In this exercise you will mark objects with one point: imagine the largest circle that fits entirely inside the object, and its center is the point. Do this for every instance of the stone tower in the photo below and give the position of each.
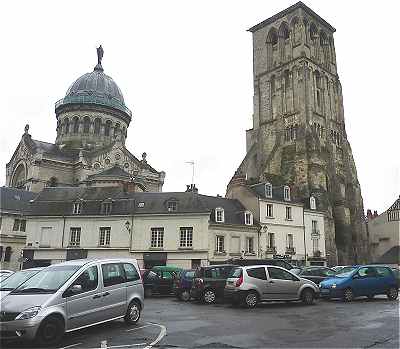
(299, 130)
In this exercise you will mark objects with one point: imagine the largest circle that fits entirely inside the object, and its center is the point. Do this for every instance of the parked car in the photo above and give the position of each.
(365, 280)
(160, 280)
(280, 262)
(183, 283)
(72, 295)
(209, 282)
(315, 274)
(339, 268)
(16, 279)
(253, 284)
(4, 274)
(396, 272)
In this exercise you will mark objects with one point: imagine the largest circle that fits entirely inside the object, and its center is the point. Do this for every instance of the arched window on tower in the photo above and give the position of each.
(76, 124)
(324, 43)
(313, 33)
(272, 45)
(66, 126)
(86, 125)
(284, 39)
(53, 182)
(107, 128)
(296, 28)
(97, 123)
(19, 177)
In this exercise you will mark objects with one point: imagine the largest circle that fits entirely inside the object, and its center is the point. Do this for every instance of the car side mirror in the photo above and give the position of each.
(73, 290)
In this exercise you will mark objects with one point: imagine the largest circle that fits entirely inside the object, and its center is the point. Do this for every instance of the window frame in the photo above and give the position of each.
(268, 190)
(288, 212)
(77, 241)
(248, 245)
(286, 193)
(157, 237)
(218, 240)
(219, 210)
(248, 215)
(186, 237)
(269, 207)
(77, 208)
(172, 206)
(106, 231)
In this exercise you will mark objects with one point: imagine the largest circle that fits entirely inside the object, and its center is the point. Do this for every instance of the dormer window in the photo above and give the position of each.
(248, 218)
(268, 190)
(286, 193)
(313, 203)
(77, 208)
(106, 207)
(172, 206)
(219, 215)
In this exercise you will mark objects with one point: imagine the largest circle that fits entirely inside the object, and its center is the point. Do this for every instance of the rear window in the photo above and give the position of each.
(257, 273)
(236, 273)
(189, 274)
(382, 271)
(214, 273)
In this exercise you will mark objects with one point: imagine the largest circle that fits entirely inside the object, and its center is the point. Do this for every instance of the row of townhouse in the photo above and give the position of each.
(13, 205)
(288, 229)
(186, 229)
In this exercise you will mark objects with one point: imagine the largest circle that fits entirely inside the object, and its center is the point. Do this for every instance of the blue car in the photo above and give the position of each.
(361, 280)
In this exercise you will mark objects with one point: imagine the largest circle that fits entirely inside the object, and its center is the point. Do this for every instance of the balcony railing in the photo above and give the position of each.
(290, 250)
(271, 249)
(112, 102)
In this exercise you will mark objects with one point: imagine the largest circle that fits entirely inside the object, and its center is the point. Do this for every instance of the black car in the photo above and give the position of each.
(209, 282)
(276, 261)
(316, 274)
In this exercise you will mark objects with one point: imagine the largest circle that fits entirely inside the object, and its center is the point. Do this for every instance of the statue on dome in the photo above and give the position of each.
(100, 53)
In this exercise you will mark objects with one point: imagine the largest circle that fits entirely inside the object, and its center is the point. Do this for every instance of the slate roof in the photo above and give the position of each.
(277, 192)
(114, 171)
(59, 202)
(14, 200)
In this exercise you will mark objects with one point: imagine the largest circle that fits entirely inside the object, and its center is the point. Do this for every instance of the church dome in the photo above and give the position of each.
(98, 85)
(95, 88)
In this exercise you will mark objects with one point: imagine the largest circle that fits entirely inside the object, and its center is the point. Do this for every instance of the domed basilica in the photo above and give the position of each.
(92, 124)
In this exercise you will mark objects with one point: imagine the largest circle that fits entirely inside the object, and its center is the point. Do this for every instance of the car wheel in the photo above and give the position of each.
(50, 332)
(307, 296)
(209, 296)
(348, 295)
(132, 315)
(185, 295)
(393, 293)
(148, 292)
(251, 300)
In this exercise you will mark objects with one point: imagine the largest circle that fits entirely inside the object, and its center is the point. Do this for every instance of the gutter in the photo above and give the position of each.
(63, 233)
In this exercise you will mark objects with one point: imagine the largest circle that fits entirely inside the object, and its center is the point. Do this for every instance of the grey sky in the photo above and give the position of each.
(185, 69)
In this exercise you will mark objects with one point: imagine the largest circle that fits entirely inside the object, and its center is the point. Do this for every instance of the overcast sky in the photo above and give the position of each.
(185, 69)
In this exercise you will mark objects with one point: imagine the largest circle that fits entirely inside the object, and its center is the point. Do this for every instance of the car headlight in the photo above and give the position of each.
(319, 285)
(333, 286)
(28, 313)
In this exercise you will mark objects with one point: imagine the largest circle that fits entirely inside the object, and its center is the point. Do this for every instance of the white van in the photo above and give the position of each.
(72, 295)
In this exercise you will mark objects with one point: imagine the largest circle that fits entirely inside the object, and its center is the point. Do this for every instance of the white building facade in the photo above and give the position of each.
(183, 229)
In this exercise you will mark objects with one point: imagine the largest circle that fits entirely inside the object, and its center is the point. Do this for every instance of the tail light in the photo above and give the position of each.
(239, 281)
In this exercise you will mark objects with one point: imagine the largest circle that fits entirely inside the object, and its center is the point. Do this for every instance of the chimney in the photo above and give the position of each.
(369, 214)
(191, 188)
(376, 213)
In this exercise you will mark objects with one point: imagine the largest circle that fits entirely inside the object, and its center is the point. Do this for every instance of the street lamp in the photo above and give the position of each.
(128, 226)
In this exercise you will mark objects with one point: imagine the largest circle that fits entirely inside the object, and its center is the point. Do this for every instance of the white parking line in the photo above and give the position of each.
(137, 328)
(71, 346)
(160, 336)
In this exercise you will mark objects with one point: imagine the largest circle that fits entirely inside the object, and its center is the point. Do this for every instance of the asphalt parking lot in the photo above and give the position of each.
(168, 323)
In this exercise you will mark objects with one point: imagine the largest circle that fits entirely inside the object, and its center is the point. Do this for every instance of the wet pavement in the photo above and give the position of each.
(169, 323)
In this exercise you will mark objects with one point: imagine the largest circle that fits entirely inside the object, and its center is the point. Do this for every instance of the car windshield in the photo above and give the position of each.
(13, 281)
(345, 272)
(48, 280)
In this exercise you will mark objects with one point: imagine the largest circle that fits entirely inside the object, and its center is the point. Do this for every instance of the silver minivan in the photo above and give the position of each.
(72, 295)
(252, 284)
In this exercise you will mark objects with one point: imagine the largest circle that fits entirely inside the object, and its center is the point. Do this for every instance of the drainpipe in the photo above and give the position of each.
(63, 233)
(304, 237)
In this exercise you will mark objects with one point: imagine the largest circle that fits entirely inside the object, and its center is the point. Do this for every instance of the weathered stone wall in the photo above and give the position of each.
(299, 130)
